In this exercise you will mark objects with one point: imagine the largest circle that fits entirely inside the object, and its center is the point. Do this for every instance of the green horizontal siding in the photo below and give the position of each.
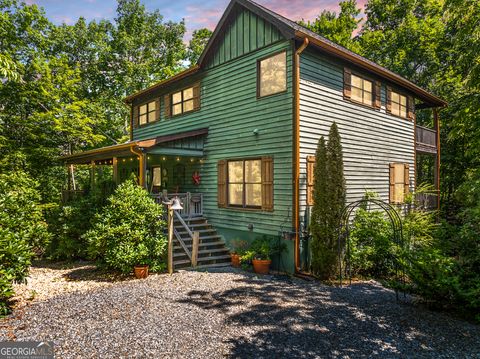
(231, 111)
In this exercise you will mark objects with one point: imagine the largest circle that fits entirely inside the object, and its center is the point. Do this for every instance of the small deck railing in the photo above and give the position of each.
(192, 202)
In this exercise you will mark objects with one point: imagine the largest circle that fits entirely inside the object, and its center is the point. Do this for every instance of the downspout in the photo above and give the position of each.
(296, 155)
(141, 165)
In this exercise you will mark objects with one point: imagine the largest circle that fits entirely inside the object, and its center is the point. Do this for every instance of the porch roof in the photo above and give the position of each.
(188, 143)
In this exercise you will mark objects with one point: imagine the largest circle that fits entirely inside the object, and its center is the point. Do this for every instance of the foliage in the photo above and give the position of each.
(129, 231)
(329, 200)
(339, 29)
(263, 248)
(22, 231)
(238, 246)
(197, 44)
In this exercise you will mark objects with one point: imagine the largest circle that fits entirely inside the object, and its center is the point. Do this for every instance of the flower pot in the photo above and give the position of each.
(235, 260)
(141, 271)
(261, 266)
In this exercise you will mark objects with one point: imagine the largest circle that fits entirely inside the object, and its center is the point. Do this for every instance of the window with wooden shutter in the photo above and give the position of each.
(183, 101)
(221, 183)
(347, 83)
(310, 178)
(399, 182)
(246, 183)
(399, 104)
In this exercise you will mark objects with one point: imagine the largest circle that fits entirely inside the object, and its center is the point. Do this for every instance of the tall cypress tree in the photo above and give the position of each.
(329, 199)
(319, 227)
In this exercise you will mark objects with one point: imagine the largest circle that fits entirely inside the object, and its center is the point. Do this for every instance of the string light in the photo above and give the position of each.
(178, 159)
(163, 158)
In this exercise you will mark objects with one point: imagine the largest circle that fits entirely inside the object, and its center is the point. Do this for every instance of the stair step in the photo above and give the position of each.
(200, 231)
(188, 239)
(206, 244)
(216, 250)
(203, 224)
(213, 265)
(213, 258)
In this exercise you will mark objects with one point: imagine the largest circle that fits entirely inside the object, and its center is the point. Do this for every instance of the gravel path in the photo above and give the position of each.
(226, 313)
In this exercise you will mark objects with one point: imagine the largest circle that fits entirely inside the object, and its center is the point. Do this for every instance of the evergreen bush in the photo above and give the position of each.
(129, 231)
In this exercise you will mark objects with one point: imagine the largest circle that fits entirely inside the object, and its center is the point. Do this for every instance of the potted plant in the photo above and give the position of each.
(141, 271)
(260, 253)
(238, 249)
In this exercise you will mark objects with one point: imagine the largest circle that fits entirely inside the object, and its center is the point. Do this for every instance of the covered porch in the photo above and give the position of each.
(166, 166)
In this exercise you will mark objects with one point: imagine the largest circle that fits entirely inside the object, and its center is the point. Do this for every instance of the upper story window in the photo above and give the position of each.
(399, 105)
(361, 90)
(272, 75)
(146, 113)
(183, 101)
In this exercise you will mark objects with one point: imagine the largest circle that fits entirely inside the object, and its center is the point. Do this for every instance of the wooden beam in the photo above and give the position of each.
(115, 170)
(195, 244)
(436, 117)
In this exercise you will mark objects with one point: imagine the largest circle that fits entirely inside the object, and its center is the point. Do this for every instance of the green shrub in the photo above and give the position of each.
(22, 230)
(129, 231)
(372, 244)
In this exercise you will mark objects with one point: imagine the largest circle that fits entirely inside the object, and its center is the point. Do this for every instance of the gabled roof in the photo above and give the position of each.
(291, 30)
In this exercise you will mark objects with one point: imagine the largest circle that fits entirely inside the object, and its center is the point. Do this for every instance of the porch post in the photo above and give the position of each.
(142, 159)
(115, 170)
(92, 174)
(436, 118)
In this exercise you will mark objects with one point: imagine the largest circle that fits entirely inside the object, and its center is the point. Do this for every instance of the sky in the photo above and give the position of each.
(197, 14)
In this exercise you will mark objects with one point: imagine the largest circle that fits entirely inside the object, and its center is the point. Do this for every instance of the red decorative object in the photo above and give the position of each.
(196, 178)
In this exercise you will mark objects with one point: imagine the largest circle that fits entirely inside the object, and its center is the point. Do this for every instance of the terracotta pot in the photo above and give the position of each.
(235, 260)
(141, 271)
(261, 266)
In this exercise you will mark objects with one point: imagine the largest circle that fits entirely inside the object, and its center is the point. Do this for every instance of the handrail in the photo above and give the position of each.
(179, 217)
(182, 243)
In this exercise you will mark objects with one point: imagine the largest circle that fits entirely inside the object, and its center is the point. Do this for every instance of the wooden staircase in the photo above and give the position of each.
(212, 251)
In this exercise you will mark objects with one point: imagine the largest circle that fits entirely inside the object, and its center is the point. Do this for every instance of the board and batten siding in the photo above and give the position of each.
(371, 139)
(231, 111)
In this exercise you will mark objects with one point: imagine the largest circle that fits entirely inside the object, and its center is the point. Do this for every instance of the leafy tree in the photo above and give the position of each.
(338, 28)
(197, 44)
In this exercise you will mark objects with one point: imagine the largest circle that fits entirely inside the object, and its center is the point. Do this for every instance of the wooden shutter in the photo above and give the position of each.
(157, 109)
(410, 107)
(168, 107)
(267, 183)
(377, 103)
(347, 83)
(196, 96)
(406, 176)
(392, 183)
(310, 179)
(135, 116)
(222, 183)
(389, 99)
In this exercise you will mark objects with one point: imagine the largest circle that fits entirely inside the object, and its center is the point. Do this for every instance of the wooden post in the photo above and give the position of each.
(170, 239)
(92, 175)
(142, 169)
(115, 170)
(437, 156)
(195, 243)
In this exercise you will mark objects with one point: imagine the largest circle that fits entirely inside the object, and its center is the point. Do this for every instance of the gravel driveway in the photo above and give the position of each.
(226, 313)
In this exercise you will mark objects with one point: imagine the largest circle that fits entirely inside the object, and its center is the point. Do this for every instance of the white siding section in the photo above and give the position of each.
(371, 139)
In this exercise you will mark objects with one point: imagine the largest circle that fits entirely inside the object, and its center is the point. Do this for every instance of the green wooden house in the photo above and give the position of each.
(234, 135)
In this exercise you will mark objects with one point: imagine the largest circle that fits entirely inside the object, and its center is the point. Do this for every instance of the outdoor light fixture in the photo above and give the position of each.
(173, 205)
(178, 158)
(256, 131)
(163, 158)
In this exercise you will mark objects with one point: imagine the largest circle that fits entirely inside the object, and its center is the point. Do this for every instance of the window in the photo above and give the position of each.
(399, 104)
(147, 113)
(246, 183)
(399, 182)
(272, 75)
(182, 101)
(361, 90)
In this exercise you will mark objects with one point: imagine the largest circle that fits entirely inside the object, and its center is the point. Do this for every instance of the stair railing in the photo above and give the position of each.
(193, 235)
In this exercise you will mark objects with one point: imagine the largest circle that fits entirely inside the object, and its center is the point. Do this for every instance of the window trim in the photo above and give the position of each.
(155, 110)
(347, 93)
(258, 74)
(243, 206)
(392, 183)
(171, 104)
